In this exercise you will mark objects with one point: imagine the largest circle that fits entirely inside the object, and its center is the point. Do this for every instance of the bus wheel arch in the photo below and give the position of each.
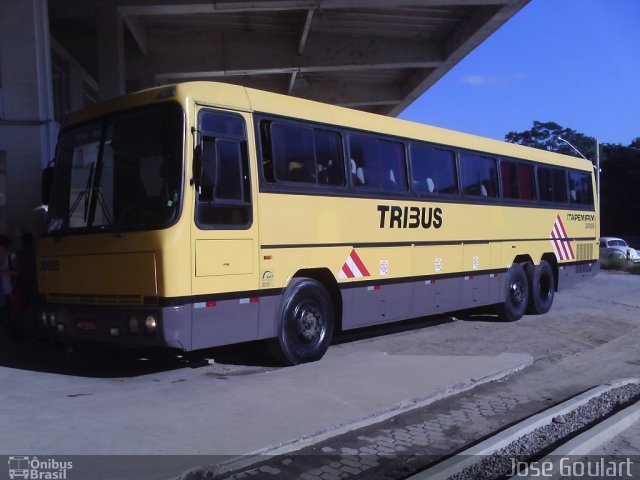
(329, 282)
(305, 322)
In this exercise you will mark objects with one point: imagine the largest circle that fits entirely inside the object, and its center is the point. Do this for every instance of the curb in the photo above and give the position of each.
(263, 454)
(588, 441)
(468, 457)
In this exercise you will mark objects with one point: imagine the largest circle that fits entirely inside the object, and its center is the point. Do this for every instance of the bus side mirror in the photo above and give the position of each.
(46, 183)
(196, 178)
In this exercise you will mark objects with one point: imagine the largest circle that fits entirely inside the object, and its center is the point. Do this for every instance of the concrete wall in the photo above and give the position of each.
(27, 129)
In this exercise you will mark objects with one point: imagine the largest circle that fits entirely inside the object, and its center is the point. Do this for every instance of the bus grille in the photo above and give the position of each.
(585, 251)
(78, 299)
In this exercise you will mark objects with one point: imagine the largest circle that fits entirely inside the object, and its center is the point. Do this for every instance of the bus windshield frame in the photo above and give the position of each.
(120, 172)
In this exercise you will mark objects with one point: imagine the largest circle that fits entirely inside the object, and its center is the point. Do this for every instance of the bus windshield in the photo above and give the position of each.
(122, 172)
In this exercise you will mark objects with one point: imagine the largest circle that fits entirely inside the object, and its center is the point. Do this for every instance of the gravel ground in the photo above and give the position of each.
(541, 441)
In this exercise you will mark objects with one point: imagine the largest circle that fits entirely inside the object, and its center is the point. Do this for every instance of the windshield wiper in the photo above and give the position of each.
(76, 202)
(83, 194)
(111, 221)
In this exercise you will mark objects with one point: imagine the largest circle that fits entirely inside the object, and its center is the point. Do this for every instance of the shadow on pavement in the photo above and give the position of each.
(241, 359)
(103, 362)
(390, 328)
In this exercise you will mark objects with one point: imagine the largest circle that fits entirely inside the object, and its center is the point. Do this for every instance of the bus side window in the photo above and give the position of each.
(293, 153)
(363, 161)
(267, 156)
(392, 164)
(517, 180)
(526, 182)
(580, 188)
(552, 184)
(301, 154)
(479, 175)
(433, 170)
(559, 178)
(377, 164)
(328, 150)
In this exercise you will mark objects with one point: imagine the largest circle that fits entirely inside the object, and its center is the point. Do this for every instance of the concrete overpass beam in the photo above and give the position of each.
(111, 66)
(207, 55)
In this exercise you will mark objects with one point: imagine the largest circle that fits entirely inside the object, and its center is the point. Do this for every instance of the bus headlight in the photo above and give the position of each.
(150, 324)
(43, 318)
(52, 319)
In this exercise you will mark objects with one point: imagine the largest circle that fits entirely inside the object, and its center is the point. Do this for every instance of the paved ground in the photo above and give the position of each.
(53, 405)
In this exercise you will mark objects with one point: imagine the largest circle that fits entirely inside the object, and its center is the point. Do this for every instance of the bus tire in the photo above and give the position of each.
(516, 296)
(305, 323)
(541, 288)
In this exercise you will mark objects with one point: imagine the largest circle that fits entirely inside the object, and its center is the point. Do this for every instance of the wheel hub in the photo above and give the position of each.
(309, 323)
(517, 292)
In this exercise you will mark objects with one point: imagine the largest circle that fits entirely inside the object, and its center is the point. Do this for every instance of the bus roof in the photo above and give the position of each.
(240, 98)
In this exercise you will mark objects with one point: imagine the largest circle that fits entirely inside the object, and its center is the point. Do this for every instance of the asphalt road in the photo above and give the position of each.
(54, 403)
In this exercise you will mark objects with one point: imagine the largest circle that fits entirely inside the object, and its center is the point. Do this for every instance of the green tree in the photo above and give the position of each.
(619, 178)
(545, 136)
(620, 181)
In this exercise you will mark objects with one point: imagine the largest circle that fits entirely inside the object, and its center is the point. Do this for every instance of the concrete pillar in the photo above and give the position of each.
(27, 128)
(111, 73)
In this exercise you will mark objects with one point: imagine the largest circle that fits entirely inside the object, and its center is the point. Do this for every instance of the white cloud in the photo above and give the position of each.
(492, 81)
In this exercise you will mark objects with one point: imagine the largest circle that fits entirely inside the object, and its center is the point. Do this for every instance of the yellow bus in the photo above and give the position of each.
(203, 214)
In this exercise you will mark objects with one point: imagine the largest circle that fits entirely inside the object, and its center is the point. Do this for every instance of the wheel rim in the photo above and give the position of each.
(517, 291)
(309, 323)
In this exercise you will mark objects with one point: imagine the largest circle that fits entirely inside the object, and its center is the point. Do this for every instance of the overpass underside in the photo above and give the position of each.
(62, 55)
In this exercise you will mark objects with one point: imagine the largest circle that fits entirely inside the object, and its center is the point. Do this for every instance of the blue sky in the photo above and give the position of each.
(574, 62)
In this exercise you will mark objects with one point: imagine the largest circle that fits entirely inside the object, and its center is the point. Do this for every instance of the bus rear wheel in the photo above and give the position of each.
(542, 288)
(517, 295)
(305, 323)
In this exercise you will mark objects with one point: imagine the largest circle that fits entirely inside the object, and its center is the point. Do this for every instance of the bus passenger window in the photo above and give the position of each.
(301, 154)
(552, 184)
(433, 170)
(580, 188)
(328, 150)
(479, 175)
(293, 154)
(517, 180)
(392, 163)
(377, 164)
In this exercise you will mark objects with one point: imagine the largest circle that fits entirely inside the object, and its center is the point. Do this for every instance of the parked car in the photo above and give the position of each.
(615, 253)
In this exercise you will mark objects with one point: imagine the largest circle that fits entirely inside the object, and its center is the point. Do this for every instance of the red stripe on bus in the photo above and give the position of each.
(347, 271)
(356, 259)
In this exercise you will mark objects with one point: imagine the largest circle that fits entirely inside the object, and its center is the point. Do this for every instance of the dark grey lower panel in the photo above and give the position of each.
(233, 321)
(209, 324)
(369, 305)
(569, 275)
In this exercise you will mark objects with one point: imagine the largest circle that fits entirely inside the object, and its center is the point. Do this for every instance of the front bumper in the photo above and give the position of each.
(125, 326)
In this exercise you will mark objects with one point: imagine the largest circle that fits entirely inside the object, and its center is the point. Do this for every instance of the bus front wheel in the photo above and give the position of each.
(517, 295)
(305, 323)
(542, 288)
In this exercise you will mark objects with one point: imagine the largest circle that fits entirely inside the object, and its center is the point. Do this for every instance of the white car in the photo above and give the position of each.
(615, 253)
